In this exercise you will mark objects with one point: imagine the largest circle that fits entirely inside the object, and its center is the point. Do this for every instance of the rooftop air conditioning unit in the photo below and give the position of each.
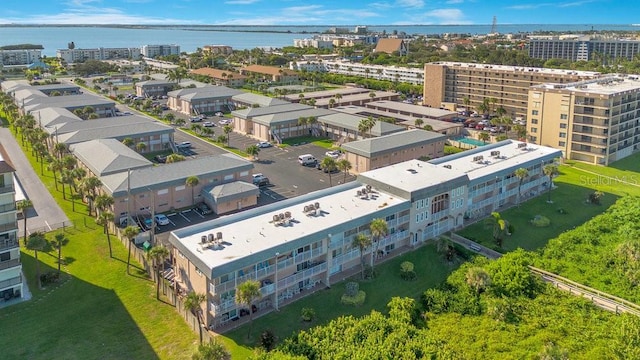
(368, 187)
(211, 238)
(281, 216)
(203, 239)
(287, 214)
(219, 236)
(275, 218)
(359, 193)
(447, 166)
(316, 205)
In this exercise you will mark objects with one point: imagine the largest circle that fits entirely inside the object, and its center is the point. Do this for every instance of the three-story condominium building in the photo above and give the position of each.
(596, 121)
(297, 244)
(10, 265)
(450, 85)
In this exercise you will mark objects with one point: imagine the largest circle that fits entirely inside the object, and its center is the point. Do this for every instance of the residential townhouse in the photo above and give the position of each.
(293, 246)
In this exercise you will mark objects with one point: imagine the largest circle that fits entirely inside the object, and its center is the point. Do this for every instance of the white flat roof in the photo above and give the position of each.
(257, 233)
(524, 69)
(606, 85)
(412, 175)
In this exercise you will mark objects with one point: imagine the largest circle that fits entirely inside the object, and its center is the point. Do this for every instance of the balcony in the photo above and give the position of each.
(8, 227)
(301, 275)
(10, 282)
(222, 306)
(9, 264)
(6, 189)
(9, 243)
(8, 207)
(308, 255)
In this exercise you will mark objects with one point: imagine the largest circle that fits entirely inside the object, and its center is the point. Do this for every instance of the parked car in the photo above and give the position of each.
(333, 154)
(195, 119)
(208, 124)
(264, 144)
(160, 158)
(257, 177)
(479, 126)
(162, 219)
(225, 121)
(203, 209)
(307, 160)
(219, 114)
(263, 182)
(184, 145)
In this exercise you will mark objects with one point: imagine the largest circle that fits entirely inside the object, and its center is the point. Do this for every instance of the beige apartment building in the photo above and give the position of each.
(595, 121)
(447, 84)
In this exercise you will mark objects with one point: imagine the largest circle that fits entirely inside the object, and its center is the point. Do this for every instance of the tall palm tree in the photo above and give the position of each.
(192, 182)
(521, 174)
(338, 97)
(193, 303)
(227, 130)
(329, 165)
(498, 225)
(88, 187)
(344, 165)
(103, 202)
(252, 150)
(379, 229)
(104, 219)
(158, 255)
(141, 147)
(59, 241)
(128, 141)
(484, 137)
(23, 206)
(418, 123)
(130, 232)
(37, 242)
(550, 170)
(361, 241)
(55, 166)
(246, 294)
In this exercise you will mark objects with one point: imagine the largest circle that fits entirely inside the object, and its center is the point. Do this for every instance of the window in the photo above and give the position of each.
(244, 173)
(563, 116)
(534, 130)
(536, 104)
(562, 135)
(534, 112)
(533, 138)
(534, 121)
(440, 203)
(181, 187)
(390, 217)
(563, 126)
(562, 143)
(228, 177)
(163, 192)
(199, 272)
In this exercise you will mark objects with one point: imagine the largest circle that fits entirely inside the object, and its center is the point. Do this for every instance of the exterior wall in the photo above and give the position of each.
(359, 163)
(19, 56)
(10, 264)
(433, 94)
(189, 276)
(234, 205)
(363, 163)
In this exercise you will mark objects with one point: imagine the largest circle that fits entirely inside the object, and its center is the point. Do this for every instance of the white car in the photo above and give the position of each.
(208, 124)
(220, 114)
(225, 121)
(162, 219)
(333, 154)
(264, 144)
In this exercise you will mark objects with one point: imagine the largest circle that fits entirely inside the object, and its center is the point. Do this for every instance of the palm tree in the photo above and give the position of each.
(550, 170)
(128, 141)
(23, 206)
(104, 202)
(332, 102)
(418, 123)
(192, 182)
(361, 241)
(60, 149)
(59, 241)
(379, 229)
(478, 279)
(158, 255)
(499, 227)
(227, 130)
(89, 186)
(246, 294)
(174, 158)
(214, 350)
(329, 165)
(140, 147)
(466, 101)
(193, 302)
(253, 150)
(55, 166)
(104, 219)
(344, 165)
(37, 242)
(484, 137)
(372, 95)
(338, 97)
(521, 174)
(130, 232)
(302, 121)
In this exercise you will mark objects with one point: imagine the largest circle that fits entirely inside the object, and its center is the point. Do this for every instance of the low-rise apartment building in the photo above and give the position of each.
(295, 245)
(10, 264)
(203, 100)
(15, 57)
(411, 75)
(270, 73)
(378, 152)
(152, 51)
(596, 121)
(222, 77)
(79, 55)
(150, 88)
(450, 84)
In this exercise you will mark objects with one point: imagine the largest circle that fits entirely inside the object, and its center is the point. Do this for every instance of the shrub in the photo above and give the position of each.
(354, 300)
(351, 289)
(406, 266)
(406, 271)
(540, 221)
(308, 314)
(268, 340)
(49, 278)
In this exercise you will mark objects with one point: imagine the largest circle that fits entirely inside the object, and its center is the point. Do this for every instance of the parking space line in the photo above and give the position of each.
(182, 214)
(197, 213)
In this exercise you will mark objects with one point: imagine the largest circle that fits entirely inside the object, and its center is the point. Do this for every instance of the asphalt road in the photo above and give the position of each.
(46, 215)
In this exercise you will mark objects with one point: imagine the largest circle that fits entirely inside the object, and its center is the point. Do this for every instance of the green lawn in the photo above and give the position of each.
(573, 187)
(430, 266)
(100, 312)
(322, 142)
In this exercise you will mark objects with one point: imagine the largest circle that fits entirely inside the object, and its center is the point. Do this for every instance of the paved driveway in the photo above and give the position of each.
(46, 215)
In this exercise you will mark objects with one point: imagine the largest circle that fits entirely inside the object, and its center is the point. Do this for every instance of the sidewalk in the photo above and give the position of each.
(46, 215)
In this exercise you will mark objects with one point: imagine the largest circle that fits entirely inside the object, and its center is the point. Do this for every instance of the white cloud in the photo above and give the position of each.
(454, 1)
(416, 4)
(448, 16)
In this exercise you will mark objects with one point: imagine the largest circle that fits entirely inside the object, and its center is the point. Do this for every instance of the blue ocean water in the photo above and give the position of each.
(239, 37)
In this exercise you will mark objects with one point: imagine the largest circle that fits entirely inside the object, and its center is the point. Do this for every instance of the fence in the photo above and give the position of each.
(47, 228)
(482, 250)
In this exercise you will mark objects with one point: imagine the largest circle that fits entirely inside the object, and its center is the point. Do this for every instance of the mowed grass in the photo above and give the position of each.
(99, 312)
(430, 267)
(574, 185)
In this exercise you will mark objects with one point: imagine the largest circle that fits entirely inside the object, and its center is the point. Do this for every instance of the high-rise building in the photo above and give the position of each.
(582, 48)
(19, 56)
(10, 265)
(597, 121)
(450, 84)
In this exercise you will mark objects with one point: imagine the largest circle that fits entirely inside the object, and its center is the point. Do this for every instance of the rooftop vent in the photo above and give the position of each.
(522, 145)
(203, 239)
(447, 166)
(211, 237)
(413, 171)
(478, 158)
(495, 153)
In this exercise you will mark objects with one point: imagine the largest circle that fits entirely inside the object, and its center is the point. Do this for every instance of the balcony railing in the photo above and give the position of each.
(10, 226)
(6, 189)
(9, 243)
(10, 282)
(9, 263)
(7, 207)
(308, 255)
(301, 275)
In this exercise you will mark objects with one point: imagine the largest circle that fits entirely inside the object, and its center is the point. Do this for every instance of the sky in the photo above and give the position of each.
(313, 12)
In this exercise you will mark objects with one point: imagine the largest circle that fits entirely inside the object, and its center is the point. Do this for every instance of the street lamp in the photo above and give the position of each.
(276, 281)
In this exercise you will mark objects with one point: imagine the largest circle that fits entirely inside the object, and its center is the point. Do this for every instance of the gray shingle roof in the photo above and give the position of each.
(230, 191)
(393, 142)
(108, 156)
(250, 98)
(117, 121)
(68, 102)
(350, 122)
(289, 116)
(162, 176)
(249, 113)
(413, 109)
(116, 132)
(206, 92)
(54, 116)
